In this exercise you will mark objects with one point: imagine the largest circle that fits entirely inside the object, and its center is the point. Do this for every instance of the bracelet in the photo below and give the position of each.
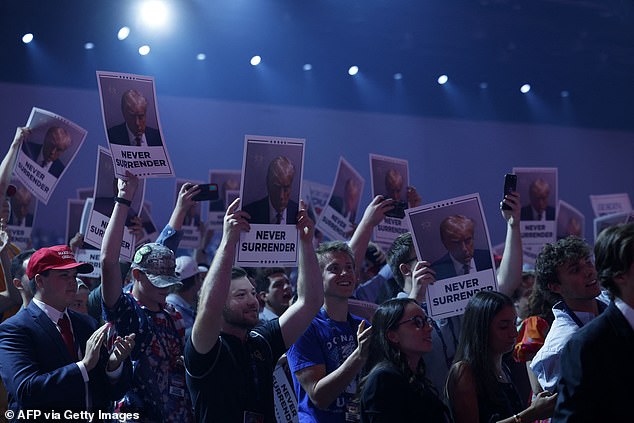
(517, 418)
(122, 200)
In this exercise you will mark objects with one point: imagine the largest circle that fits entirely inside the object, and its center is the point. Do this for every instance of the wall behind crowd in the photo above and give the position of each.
(447, 158)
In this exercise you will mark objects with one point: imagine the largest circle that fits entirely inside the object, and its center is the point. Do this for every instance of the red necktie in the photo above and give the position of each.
(67, 335)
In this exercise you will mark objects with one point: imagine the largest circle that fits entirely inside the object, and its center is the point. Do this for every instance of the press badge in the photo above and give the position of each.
(253, 417)
(177, 385)
(353, 411)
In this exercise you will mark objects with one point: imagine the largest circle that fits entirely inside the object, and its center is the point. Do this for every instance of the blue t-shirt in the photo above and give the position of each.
(329, 343)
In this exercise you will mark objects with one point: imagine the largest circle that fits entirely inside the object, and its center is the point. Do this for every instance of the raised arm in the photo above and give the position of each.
(183, 203)
(6, 167)
(215, 288)
(111, 246)
(372, 216)
(323, 388)
(10, 296)
(510, 272)
(310, 289)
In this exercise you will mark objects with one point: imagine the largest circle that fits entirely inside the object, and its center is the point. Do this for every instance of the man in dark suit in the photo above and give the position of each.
(134, 131)
(56, 141)
(538, 209)
(52, 358)
(456, 234)
(276, 207)
(596, 364)
(348, 205)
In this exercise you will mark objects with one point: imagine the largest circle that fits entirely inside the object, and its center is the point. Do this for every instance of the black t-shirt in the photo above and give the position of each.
(387, 396)
(235, 376)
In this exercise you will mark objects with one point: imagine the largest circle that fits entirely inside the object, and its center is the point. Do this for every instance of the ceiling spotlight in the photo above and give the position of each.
(256, 60)
(442, 79)
(484, 85)
(565, 94)
(353, 70)
(398, 76)
(525, 88)
(89, 46)
(144, 50)
(201, 56)
(27, 38)
(154, 13)
(307, 67)
(123, 33)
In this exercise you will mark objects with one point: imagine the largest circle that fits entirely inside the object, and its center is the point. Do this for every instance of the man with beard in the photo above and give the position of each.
(229, 356)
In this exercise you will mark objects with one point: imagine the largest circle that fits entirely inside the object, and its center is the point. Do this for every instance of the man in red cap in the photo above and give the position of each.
(52, 358)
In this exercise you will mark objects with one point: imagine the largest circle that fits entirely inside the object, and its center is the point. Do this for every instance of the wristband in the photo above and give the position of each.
(122, 200)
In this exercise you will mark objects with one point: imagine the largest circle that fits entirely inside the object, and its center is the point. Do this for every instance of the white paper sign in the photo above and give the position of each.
(272, 174)
(48, 151)
(453, 236)
(133, 128)
(610, 204)
(390, 178)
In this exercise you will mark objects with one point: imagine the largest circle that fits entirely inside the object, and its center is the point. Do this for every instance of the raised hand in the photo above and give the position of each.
(93, 345)
(235, 221)
(512, 200)
(305, 224)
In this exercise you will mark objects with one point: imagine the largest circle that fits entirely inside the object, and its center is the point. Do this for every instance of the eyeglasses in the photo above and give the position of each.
(419, 321)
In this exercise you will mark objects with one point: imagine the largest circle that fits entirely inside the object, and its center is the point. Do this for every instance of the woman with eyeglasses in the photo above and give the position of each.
(479, 386)
(395, 388)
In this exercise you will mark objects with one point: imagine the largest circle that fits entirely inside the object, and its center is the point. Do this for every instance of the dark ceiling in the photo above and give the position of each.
(583, 47)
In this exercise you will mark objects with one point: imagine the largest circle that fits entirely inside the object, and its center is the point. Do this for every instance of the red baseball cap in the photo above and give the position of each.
(57, 257)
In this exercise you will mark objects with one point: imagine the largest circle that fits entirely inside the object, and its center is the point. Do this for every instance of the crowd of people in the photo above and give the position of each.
(174, 339)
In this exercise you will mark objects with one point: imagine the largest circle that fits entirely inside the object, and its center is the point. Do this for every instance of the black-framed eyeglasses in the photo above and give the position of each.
(419, 321)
